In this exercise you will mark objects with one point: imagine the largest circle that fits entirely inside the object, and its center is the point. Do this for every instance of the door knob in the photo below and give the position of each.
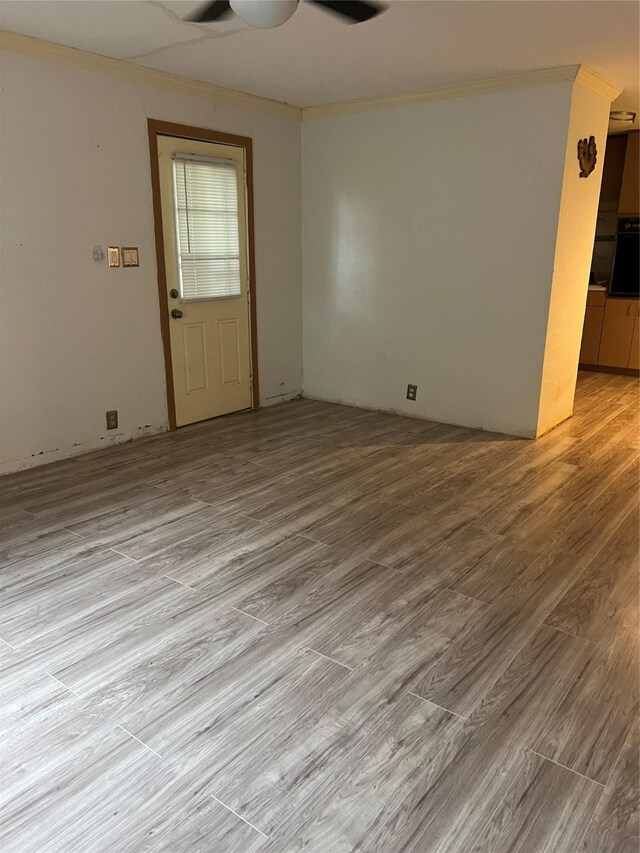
(176, 313)
(173, 293)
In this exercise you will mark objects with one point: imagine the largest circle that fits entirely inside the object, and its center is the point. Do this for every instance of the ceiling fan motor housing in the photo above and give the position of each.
(265, 14)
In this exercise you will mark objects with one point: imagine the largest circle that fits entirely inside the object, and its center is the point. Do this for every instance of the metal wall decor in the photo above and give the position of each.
(587, 155)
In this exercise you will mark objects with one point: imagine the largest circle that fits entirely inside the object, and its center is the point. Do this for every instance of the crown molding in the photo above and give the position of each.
(42, 49)
(594, 81)
(563, 74)
(30, 46)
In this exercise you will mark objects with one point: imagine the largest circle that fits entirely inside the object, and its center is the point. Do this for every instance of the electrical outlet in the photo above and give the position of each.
(112, 419)
(412, 392)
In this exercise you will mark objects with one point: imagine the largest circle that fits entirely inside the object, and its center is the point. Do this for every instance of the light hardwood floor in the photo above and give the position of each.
(326, 629)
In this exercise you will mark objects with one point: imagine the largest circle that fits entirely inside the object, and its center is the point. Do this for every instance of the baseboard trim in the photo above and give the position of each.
(280, 398)
(58, 454)
(416, 417)
(603, 368)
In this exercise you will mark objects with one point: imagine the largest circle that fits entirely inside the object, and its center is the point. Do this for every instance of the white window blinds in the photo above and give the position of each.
(206, 200)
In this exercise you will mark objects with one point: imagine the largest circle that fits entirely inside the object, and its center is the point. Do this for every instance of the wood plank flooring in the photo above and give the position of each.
(318, 628)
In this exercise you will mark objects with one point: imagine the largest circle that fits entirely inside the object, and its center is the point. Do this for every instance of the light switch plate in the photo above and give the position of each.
(130, 256)
(113, 254)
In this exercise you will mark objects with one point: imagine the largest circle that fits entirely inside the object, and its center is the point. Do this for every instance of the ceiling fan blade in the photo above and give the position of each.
(355, 11)
(210, 12)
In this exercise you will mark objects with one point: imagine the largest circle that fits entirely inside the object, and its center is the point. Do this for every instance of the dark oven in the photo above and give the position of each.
(625, 278)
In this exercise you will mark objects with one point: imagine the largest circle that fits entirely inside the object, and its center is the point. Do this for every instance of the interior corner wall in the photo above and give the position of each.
(77, 338)
(574, 248)
(429, 234)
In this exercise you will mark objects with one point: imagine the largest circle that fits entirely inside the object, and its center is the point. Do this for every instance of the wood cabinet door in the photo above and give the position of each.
(629, 204)
(591, 334)
(634, 356)
(617, 331)
(612, 171)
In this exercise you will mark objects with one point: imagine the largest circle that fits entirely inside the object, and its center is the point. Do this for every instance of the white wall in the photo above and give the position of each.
(429, 240)
(429, 234)
(574, 246)
(77, 338)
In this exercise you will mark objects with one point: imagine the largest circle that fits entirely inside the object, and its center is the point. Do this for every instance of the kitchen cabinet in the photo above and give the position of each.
(617, 332)
(593, 320)
(611, 333)
(634, 356)
(612, 170)
(591, 333)
(629, 204)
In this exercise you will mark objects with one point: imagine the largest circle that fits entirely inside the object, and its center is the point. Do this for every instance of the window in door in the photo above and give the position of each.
(206, 210)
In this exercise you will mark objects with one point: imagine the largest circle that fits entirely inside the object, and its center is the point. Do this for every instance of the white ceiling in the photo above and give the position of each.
(315, 58)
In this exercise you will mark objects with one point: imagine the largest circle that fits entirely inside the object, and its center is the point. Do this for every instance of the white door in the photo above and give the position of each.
(204, 223)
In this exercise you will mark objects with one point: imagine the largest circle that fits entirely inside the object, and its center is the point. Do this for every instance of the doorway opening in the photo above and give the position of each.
(202, 184)
(611, 333)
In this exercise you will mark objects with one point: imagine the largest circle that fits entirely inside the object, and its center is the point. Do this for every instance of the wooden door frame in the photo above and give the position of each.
(183, 131)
